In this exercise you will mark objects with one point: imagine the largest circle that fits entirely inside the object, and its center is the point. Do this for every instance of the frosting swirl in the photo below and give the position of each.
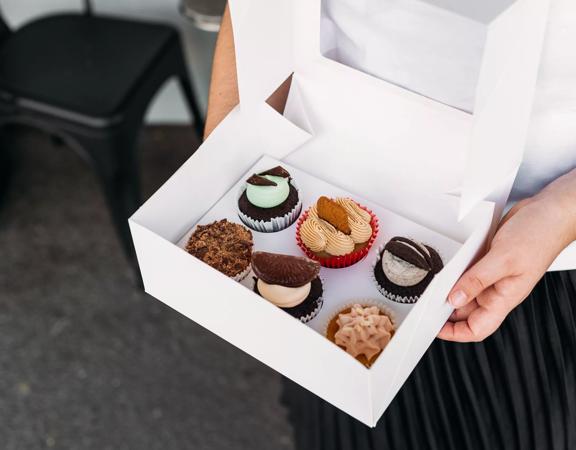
(361, 230)
(312, 235)
(337, 243)
(353, 209)
(364, 331)
(313, 213)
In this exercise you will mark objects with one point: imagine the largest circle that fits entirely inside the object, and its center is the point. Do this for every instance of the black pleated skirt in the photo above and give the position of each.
(516, 390)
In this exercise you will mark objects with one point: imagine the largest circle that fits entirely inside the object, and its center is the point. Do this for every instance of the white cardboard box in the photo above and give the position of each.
(398, 150)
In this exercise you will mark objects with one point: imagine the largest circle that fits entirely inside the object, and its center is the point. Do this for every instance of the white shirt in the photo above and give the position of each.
(372, 35)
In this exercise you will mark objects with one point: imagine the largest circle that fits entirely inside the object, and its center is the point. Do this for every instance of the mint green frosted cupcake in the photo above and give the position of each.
(270, 201)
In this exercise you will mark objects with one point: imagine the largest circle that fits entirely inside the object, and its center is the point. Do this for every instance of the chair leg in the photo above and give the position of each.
(190, 96)
(6, 164)
(114, 159)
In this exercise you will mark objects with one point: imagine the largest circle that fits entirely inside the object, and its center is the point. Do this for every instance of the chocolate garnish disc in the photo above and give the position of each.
(277, 171)
(257, 180)
(284, 270)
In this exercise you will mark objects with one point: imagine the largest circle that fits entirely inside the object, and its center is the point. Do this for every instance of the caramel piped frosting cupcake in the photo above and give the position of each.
(320, 236)
(336, 228)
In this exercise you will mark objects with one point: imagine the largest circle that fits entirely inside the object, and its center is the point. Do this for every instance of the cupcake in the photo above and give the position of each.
(223, 245)
(405, 268)
(270, 201)
(362, 330)
(337, 233)
(289, 282)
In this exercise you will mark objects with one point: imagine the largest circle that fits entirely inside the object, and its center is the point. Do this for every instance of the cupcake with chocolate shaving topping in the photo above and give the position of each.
(270, 201)
(223, 245)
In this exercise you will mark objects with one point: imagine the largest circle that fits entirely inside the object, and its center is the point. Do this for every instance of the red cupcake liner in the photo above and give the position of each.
(339, 262)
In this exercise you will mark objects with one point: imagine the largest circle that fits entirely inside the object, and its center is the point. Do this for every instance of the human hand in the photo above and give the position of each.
(528, 240)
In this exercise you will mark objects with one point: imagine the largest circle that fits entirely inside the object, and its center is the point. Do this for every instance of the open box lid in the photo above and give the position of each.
(475, 155)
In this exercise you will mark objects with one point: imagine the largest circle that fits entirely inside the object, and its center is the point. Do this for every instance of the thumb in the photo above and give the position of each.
(490, 269)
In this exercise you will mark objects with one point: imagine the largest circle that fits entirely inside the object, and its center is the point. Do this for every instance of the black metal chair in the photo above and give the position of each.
(88, 80)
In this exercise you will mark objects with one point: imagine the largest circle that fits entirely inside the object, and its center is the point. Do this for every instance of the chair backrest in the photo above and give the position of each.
(4, 29)
(88, 8)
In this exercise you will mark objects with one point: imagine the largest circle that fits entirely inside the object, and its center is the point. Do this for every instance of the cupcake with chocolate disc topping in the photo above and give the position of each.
(269, 201)
(405, 268)
(289, 282)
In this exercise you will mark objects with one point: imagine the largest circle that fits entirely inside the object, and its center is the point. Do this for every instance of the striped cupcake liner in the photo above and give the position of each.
(242, 275)
(313, 314)
(276, 223)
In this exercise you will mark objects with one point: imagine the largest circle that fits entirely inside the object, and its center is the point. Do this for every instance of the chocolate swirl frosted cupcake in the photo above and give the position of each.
(270, 201)
(223, 245)
(289, 282)
(405, 268)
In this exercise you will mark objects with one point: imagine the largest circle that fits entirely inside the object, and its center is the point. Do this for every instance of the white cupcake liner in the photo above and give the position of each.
(307, 318)
(242, 275)
(364, 302)
(276, 223)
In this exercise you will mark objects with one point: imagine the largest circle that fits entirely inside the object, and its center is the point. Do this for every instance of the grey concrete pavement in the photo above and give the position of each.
(89, 362)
